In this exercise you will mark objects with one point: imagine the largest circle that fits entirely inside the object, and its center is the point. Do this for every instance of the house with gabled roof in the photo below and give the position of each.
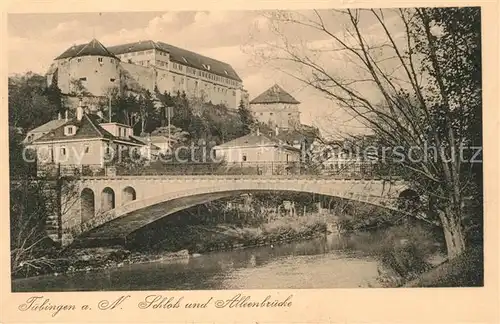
(257, 148)
(85, 140)
(276, 108)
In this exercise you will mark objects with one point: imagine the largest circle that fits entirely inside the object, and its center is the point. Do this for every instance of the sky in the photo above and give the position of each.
(34, 40)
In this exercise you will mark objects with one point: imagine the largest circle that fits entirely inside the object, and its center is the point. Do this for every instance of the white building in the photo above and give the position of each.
(145, 65)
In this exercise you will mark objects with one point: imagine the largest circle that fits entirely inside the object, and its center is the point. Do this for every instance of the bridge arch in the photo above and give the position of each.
(107, 199)
(127, 218)
(87, 205)
(409, 199)
(128, 195)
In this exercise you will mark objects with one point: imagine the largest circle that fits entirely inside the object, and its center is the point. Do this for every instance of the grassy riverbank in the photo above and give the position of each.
(205, 238)
(179, 242)
(465, 270)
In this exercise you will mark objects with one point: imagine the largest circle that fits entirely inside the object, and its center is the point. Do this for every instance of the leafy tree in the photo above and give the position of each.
(29, 105)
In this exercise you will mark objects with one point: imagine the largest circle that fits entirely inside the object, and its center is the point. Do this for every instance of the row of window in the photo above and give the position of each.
(218, 89)
(203, 74)
(99, 59)
(136, 53)
(85, 79)
(86, 150)
(270, 114)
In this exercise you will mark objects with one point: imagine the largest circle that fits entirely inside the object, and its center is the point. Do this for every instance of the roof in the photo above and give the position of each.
(152, 139)
(274, 94)
(181, 56)
(71, 52)
(177, 55)
(254, 140)
(87, 128)
(94, 47)
(200, 62)
(48, 126)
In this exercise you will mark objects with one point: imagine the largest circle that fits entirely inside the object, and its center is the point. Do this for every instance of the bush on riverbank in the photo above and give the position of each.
(405, 251)
(466, 270)
(205, 238)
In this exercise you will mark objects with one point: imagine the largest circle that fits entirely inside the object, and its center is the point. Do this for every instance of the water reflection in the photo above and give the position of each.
(324, 262)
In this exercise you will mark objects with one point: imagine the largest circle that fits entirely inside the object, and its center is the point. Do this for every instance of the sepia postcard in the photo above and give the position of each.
(264, 162)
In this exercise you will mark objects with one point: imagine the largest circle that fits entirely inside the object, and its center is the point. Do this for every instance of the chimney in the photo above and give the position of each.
(59, 116)
(66, 115)
(79, 111)
(258, 131)
(276, 130)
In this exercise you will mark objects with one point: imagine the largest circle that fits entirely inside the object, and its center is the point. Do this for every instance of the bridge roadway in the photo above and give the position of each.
(140, 200)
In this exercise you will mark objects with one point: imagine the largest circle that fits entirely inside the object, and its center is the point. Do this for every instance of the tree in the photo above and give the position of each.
(411, 86)
(246, 117)
(176, 134)
(54, 95)
(29, 105)
(146, 110)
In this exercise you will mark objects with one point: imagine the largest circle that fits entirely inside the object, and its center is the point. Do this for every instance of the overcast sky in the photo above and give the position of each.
(36, 39)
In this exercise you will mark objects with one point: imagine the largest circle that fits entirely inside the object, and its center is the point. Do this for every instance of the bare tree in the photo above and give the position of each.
(389, 70)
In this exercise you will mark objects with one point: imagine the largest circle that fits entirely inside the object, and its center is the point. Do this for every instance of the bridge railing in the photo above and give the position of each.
(360, 171)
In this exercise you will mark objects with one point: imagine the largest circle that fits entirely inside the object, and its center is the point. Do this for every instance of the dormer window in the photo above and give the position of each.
(69, 130)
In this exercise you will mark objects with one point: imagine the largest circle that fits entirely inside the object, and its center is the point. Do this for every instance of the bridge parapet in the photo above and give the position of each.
(151, 191)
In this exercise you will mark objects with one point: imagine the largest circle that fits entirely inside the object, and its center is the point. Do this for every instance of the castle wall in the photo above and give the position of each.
(135, 77)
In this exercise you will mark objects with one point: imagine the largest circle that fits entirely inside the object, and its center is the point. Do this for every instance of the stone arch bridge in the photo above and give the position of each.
(108, 209)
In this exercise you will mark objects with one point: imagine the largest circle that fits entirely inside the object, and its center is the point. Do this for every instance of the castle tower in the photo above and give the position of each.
(277, 108)
(87, 69)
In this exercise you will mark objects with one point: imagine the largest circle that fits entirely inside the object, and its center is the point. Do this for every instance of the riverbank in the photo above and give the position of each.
(181, 243)
(466, 270)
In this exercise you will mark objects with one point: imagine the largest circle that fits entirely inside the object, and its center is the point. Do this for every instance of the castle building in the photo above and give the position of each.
(93, 69)
(277, 108)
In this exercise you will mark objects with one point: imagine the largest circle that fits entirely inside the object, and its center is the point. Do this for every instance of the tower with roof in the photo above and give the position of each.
(89, 68)
(277, 108)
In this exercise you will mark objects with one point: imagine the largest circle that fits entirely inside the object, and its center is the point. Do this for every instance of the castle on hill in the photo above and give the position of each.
(91, 71)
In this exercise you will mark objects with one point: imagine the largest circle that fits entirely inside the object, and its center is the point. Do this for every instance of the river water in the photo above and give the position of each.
(325, 262)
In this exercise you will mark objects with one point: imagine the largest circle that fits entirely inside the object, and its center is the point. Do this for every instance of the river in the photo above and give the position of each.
(325, 262)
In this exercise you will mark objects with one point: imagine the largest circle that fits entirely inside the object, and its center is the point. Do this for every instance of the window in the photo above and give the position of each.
(173, 78)
(289, 114)
(112, 60)
(79, 60)
(63, 151)
(86, 148)
(112, 79)
(99, 59)
(270, 114)
(83, 79)
(69, 130)
(244, 157)
(182, 80)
